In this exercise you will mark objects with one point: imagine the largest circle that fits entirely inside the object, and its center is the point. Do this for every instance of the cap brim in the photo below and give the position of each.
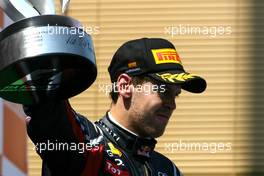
(189, 82)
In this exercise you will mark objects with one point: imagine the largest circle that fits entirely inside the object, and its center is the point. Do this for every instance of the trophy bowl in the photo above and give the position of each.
(45, 58)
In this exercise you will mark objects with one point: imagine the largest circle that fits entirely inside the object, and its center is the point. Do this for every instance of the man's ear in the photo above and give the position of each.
(124, 85)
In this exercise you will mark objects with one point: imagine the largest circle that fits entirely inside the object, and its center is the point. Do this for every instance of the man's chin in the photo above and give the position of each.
(158, 133)
(155, 131)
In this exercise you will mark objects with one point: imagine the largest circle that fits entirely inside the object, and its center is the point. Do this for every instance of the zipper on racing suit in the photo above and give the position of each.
(146, 170)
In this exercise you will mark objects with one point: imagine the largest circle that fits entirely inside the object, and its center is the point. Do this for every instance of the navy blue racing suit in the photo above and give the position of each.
(69, 144)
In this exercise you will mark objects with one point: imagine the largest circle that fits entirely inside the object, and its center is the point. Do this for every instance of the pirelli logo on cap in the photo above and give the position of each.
(166, 56)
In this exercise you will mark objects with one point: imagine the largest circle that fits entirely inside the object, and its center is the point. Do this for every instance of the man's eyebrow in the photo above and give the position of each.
(171, 88)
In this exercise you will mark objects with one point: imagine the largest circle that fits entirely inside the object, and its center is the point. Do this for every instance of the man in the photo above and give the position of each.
(147, 75)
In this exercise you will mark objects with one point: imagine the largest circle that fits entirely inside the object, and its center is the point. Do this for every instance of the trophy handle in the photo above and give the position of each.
(16, 9)
(44, 7)
(64, 5)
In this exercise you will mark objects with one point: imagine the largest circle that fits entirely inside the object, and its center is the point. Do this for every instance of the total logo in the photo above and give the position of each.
(113, 150)
(113, 153)
(114, 169)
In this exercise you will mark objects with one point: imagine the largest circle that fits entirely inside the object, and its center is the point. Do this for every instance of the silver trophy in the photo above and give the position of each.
(43, 56)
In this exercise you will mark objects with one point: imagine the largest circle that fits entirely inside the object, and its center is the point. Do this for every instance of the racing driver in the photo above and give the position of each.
(146, 74)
